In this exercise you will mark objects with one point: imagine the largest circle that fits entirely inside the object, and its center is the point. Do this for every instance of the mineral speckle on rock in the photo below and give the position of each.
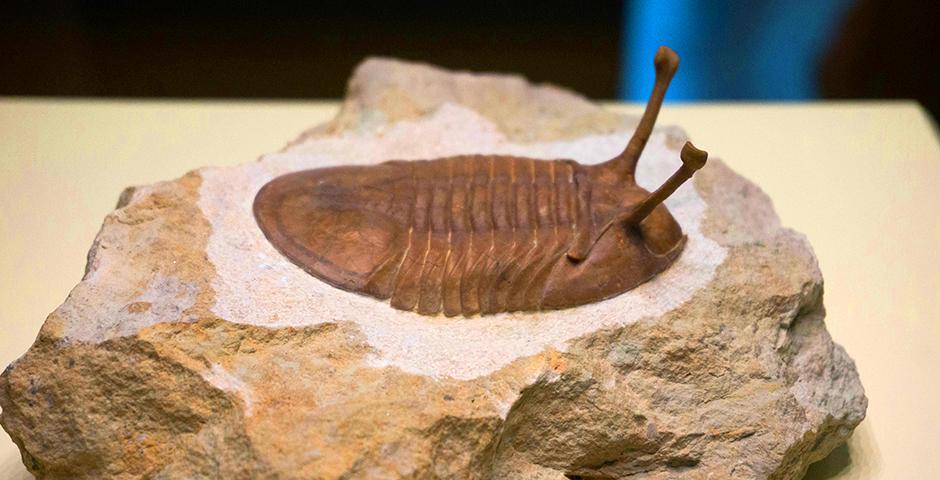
(192, 349)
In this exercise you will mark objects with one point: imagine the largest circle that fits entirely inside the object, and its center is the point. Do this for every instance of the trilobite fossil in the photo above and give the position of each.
(482, 233)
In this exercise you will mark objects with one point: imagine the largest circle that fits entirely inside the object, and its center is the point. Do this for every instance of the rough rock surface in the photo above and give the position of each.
(191, 349)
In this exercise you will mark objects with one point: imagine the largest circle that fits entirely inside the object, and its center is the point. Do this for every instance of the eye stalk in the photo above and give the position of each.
(666, 63)
(692, 159)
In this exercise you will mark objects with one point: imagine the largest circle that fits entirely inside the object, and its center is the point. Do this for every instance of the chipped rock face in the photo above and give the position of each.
(193, 349)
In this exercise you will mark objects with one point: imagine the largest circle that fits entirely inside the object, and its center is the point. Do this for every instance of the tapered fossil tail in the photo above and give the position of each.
(666, 63)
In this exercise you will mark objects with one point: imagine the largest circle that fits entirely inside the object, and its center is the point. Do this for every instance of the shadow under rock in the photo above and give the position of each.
(837, 462)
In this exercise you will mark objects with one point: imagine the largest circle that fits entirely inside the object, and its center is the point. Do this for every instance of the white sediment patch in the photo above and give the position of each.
(222, 379)
(255, 284)
(163, 300)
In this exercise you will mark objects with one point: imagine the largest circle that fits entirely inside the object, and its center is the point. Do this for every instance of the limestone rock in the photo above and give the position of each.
(192, 349)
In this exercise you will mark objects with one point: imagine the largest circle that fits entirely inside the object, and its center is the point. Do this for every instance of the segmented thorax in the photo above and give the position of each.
(468, 234)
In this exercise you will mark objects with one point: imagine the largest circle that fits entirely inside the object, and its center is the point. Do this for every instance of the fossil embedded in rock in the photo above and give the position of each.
(482, 233)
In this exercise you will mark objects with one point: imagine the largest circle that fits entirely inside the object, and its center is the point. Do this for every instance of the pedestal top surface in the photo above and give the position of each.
(859, 179)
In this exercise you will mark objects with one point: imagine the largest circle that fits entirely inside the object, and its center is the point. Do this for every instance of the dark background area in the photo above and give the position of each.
(254, 49)
(886, 49)
(294, 49)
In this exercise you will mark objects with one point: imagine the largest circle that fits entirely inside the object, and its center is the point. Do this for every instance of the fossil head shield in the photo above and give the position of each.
(481, 234)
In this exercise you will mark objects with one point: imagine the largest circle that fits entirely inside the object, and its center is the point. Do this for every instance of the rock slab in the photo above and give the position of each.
(192, 349)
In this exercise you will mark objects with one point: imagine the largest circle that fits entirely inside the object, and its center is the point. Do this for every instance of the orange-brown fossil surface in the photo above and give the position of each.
(482, 233)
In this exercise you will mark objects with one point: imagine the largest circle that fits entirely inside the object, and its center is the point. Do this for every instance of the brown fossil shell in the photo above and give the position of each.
(482, 234)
